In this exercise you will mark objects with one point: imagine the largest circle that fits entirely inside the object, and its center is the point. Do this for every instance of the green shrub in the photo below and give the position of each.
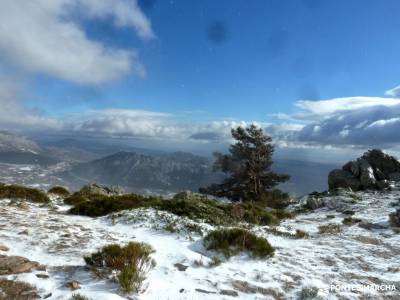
(59, 190)
(194, 207)
(100, 205)
(130, 263)
(350, 221)
(215, 261)
(233, 241)
(275, 199)
(329, 229)
(74, 199)
(25, 193)
(78, 297)
(198, 209)
(130, 280)
(301, 234)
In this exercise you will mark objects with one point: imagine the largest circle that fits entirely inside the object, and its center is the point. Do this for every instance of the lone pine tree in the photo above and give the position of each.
(248, 166)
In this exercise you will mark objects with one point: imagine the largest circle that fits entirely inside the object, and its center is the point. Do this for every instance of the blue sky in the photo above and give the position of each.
(208, 65)
(273, 53)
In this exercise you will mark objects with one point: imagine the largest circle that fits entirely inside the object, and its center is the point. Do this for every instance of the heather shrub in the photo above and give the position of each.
(329, 229)
(130, 263)
(59, 191)
(233, 241)
(24, 193)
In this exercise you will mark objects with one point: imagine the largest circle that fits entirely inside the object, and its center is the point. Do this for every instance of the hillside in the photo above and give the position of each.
(177, 171)
(15, 149)
(313, 251)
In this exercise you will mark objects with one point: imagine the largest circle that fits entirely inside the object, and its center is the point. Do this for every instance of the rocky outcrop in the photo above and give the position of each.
(16, 264)
(395, 218)
(96, 189)
(372, 171)
(343, 179)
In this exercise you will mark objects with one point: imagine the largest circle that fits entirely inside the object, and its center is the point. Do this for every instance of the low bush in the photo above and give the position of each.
(24, 193)
(130, 263)
(199, 209)
(75, 199)
(329, 229)
(192, 206)
(100, 205)
(215, 261)
(236, 240)
(78, 297)
(351, 221)
(17, 290)
(301, 234)
(275, 199)
(59, 191)
(213, 212)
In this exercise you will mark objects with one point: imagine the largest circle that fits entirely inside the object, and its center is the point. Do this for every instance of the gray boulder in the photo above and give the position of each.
(97, 189)
(353, 167)
(382, 184)
(343, 179)
(372, 171)
(314, 202)
(379, 175)
(394, 176)
(379, 160)
(367, 178)
(395, 218)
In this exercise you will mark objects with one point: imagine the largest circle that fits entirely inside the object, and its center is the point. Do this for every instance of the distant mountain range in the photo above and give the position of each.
(167, 172)
(16, 149)
(141, 170)
(184, 171)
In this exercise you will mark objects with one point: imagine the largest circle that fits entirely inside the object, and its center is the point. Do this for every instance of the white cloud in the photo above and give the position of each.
(13, 114)
(127, 123)
(352, 121)
(394, 92)
(326, 107)
(125, 12)
(40, 36)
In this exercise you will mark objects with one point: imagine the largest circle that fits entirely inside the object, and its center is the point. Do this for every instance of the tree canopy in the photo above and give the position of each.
(248, 166)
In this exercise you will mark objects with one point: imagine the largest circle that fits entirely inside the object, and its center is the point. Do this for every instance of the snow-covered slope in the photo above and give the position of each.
(300, 267)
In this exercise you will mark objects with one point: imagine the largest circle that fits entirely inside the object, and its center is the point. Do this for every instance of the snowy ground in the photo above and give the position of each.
(356, 256)
(36, 176)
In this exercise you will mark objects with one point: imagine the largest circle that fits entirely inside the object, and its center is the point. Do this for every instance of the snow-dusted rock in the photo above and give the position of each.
(313, 202)
(394, 176)
(382, 184)
(395, 218)
(367, 178)
(369, 172)
(342, 179)
(353, 167)
(94, 188)
(16, 264)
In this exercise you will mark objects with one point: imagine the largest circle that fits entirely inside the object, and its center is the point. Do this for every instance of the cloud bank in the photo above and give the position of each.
(352, 121)
(41, 36)
(394, 92)
(44, 37)
(14, 115)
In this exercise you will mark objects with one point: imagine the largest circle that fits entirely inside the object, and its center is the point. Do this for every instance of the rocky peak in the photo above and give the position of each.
(372, 171)
(94, 188)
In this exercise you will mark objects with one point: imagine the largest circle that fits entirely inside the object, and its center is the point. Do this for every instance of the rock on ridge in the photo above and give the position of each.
(372, 171)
